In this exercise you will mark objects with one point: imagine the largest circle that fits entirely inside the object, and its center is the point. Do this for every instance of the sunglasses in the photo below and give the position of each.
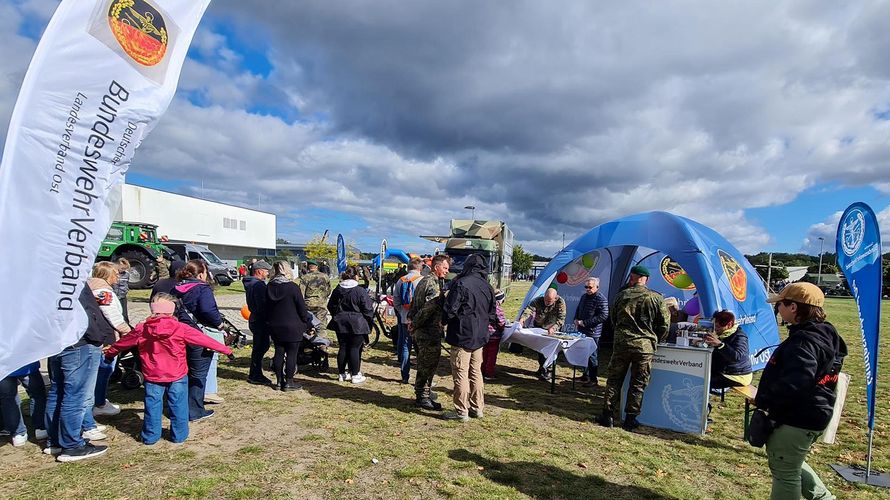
(588, 288)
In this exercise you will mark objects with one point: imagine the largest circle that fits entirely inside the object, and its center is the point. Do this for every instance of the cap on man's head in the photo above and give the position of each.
(800, 292)
(261, 264)
(311, 263)
(640, 271)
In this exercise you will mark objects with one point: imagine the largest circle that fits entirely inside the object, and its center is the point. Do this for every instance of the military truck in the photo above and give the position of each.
(138, 243)
(491, 238)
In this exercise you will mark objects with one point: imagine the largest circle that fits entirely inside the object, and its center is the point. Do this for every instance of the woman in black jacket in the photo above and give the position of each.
(731, 362)
(351, 313)
(797, 390)
(288, 319)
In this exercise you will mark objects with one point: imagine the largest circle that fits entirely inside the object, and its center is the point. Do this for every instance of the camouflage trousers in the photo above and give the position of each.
(429, 350)
(322, 314)
(640, 366)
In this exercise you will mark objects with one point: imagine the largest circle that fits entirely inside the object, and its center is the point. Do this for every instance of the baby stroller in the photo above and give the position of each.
(314, 349)
(130, 365)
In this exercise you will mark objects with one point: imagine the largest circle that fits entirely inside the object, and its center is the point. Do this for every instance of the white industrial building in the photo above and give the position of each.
(231, 232)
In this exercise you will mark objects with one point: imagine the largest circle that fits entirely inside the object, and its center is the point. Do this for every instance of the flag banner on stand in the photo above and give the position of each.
(103, 73)
(341, 254)
(859, 257)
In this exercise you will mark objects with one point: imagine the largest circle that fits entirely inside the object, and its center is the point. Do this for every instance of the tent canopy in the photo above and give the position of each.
(391, 253)
(685, 259)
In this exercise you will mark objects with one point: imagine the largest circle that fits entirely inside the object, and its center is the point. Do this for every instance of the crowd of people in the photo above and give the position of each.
(179, 343)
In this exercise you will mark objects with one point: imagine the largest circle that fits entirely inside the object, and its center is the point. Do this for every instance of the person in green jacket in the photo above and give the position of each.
(639, 320)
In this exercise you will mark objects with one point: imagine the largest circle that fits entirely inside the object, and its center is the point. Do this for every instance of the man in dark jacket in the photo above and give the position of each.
(255, 292)
(592, 312)
(73, 374)
(468, 310)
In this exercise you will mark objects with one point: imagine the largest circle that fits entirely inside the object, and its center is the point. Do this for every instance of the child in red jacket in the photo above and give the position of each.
(161, 341)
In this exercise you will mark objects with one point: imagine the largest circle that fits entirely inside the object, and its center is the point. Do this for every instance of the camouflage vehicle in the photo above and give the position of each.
(139, 244)
(491, 238)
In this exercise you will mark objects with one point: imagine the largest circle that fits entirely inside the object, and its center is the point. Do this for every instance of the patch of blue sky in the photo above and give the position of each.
(788, 224)
(252, 50)
(882, 114)
(32, 26)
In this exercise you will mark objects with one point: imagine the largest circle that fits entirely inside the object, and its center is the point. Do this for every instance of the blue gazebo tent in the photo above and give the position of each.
(685, 258)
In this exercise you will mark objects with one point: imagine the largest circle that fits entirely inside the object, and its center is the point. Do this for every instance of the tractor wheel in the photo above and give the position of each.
(142, 268)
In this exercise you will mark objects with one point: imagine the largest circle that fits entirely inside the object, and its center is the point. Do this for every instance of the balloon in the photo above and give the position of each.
(588, 261)
(682, 281)
(245, 312)
(562, 277)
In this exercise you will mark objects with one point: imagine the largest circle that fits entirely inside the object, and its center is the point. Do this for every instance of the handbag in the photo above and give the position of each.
(760, 428)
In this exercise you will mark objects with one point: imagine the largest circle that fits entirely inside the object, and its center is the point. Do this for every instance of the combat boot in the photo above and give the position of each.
(291, 386)
(630, 423)
(606, 420)
(427, 404)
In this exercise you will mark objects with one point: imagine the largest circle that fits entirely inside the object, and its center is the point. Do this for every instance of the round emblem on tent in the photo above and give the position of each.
(140, 30)
(738, 280)
(852, 231)
(675, 275)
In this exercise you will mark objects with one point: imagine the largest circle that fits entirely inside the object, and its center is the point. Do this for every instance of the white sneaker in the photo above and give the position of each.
(41, 435)
(94, 435)
(101, 428)
(108, 408)
(20, 440)
(344, 377)
(52, 450)
(358, 378)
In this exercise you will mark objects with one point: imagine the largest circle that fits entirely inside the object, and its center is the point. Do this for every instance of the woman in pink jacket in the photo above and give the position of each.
(161, 341)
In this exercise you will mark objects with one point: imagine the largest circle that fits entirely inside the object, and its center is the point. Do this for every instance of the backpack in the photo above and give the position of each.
(406, 290)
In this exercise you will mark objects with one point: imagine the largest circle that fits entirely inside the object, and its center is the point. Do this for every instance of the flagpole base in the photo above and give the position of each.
(856, 474)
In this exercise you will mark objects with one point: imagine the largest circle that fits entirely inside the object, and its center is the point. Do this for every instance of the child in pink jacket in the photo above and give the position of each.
(161, 341)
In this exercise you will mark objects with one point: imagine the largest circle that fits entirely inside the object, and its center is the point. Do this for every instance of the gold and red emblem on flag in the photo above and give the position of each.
(140, 30)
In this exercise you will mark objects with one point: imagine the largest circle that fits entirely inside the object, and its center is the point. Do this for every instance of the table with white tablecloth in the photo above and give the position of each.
(576, 350)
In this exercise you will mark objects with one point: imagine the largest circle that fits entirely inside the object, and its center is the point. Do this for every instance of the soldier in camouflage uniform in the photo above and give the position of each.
(425, 327)
(550, 314)
(316, 288)
(640, 320)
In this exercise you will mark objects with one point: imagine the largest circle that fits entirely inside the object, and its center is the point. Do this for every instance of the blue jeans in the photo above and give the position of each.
(73, 374)
(177, 402)
(11, 407)
(593, 363)
(199, 365)
(403, 349)
(210, 386)
(105, 371)
(88, 421)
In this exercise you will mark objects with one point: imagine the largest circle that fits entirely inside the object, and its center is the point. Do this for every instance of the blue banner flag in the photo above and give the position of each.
(341, 254)
(859, 257)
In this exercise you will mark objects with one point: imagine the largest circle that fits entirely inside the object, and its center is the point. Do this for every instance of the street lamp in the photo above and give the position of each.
(819, 279)
(471, 207)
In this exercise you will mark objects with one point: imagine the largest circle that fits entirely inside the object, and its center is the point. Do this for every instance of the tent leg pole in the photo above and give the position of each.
(553, 378)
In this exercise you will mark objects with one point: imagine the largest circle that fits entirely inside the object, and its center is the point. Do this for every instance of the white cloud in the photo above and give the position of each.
(827, 230)
(553, 119)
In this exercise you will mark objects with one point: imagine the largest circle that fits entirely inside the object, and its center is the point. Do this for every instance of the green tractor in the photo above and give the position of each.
(138, 243)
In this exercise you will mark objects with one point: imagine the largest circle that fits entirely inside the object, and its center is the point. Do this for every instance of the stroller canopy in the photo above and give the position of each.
(685, 259)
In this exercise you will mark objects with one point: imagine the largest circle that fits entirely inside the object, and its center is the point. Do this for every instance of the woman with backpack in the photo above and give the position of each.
(797, 390)
(288, 319)
(351, 312)
(198, 307)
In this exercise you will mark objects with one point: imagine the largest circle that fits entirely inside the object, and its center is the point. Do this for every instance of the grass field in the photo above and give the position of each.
(323, 443)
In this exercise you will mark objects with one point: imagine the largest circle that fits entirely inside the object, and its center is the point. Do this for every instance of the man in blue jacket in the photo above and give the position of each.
(255, 291)
(592, 312)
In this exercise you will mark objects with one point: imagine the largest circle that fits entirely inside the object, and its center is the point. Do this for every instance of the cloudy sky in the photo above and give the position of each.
(385, 118)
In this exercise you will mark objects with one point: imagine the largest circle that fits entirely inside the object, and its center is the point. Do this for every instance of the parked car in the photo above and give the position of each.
(221, 272)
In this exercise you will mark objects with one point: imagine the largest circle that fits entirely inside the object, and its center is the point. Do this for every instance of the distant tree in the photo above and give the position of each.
(826, 268)
(317, 249)
(281, 241)
(539, 258)
(522, 261)
(284, 253)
